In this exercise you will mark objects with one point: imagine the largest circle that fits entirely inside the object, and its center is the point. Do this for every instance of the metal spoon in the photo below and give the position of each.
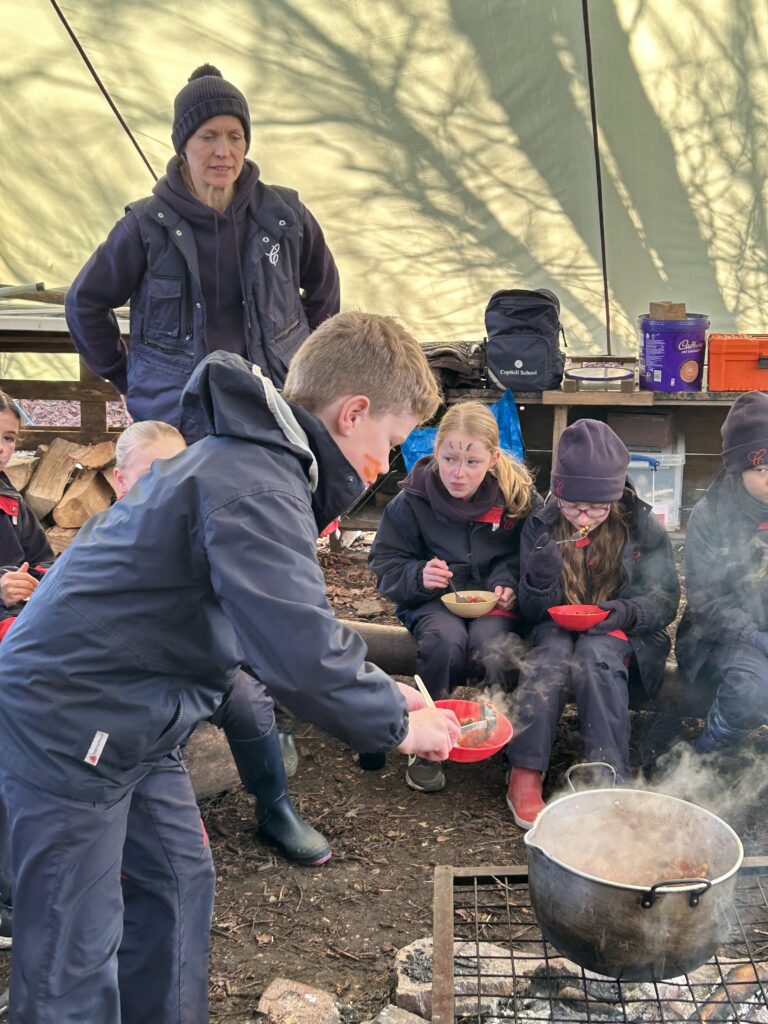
(459, 597)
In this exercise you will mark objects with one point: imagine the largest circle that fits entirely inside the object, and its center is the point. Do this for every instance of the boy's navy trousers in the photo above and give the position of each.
(112, 904)
(593, 669)
(741, 674)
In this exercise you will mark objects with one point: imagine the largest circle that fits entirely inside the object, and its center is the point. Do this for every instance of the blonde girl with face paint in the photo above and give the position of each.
(458, 518)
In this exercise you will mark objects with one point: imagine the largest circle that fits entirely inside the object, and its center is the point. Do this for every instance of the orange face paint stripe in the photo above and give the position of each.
(372, 468)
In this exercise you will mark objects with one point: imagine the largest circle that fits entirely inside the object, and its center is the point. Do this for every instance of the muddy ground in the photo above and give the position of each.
(338, 927)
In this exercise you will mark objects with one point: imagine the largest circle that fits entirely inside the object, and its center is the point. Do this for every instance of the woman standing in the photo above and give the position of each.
(213, 259)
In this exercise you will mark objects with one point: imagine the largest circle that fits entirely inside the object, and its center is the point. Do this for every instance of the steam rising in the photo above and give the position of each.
(728, 784)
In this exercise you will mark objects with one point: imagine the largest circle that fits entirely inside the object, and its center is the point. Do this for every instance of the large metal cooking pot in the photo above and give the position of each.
(613, 881)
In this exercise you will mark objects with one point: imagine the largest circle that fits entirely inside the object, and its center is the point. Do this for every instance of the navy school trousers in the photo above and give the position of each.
(112, 904)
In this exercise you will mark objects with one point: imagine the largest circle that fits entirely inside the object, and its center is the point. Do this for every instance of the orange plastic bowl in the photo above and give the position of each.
(470, 711)
(577, 616)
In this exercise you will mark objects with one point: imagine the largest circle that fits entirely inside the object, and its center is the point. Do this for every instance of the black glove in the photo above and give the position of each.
(759, 639)
(623, 615)
(545, 563)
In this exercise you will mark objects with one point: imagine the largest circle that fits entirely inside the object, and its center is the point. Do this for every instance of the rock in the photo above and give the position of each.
(290, 1002)
(369, 609)
(496, 982)
(395, 1015)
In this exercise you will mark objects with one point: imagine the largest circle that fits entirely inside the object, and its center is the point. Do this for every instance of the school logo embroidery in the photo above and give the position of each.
(274, 254)
(559, 488)
(757, 457)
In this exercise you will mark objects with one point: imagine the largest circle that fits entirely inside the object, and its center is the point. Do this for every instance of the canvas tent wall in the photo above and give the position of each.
(446, 146)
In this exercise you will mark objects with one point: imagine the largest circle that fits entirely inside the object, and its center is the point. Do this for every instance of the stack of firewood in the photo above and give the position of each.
(64, 484)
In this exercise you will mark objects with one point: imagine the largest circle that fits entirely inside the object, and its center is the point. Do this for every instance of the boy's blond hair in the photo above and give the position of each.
(139, 435)
(478, 422)
(363, 354)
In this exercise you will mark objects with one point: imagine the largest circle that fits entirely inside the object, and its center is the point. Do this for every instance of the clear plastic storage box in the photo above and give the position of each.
(661, 487)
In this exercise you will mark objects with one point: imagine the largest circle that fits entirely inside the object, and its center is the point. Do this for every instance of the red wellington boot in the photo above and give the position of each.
(524, 796)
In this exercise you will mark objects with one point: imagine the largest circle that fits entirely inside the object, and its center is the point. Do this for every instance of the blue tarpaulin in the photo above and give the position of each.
(421, 441)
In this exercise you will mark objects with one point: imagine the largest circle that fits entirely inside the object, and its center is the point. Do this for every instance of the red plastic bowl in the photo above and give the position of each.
(470, 711)
(577, 616)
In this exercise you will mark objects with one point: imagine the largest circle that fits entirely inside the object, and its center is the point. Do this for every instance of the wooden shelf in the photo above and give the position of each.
(574, 398)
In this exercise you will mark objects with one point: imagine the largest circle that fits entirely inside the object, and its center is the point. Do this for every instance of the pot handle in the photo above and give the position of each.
(588, 764)
(650, 897)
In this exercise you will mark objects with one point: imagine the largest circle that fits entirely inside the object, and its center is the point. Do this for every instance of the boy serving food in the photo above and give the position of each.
(207, 564)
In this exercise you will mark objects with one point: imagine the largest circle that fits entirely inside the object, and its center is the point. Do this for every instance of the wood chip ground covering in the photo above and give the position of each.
(338, 927)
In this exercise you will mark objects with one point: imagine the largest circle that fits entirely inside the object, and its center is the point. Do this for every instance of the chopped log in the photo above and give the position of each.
(209, 761)
(108, 475)
(45, 489)
(86, 495)
(20, 469)
(95, 456)
(60, 538)
(392, 648)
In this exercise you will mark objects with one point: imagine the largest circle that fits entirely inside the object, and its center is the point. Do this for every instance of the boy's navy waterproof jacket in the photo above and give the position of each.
(725, 585)
(649, 582)
(481, 554)
(208, 563)
(22, 539)
(151, 257)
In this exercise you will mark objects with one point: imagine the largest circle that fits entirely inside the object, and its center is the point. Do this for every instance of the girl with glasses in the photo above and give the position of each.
(593, 542)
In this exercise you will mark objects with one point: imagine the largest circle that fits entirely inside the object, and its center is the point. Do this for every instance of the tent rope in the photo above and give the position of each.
(102, 87)
(598, 174)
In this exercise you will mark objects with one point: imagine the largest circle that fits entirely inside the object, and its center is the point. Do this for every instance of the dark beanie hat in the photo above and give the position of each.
(590, 463)
(207, 95)
(745, 432)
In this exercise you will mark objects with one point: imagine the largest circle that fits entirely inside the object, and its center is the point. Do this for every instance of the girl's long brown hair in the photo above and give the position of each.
(594, 573)
(477, 421)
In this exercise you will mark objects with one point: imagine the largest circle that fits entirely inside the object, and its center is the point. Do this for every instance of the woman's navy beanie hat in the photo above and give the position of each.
(207, 94)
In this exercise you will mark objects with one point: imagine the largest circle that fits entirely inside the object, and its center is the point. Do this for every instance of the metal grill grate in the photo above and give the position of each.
(492, 965)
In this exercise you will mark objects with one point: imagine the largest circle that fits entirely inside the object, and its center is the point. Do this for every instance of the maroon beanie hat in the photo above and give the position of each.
(745, 432)
(207, 95)
(590, 463)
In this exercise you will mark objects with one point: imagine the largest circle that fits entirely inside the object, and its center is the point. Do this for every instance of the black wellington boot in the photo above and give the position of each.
(260, 765)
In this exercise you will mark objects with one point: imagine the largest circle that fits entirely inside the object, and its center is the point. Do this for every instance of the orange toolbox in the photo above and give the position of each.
(738, 362)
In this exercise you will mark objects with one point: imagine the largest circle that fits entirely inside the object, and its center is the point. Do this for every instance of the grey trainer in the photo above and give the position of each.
(425, 776)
